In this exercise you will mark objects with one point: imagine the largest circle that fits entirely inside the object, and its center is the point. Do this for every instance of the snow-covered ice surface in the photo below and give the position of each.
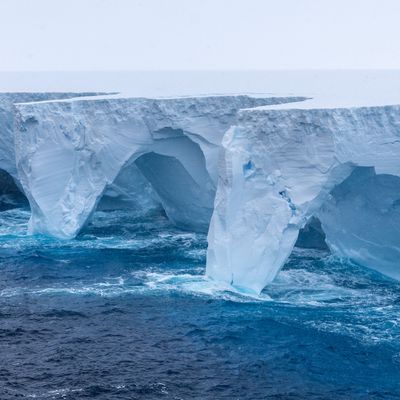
(350, 87)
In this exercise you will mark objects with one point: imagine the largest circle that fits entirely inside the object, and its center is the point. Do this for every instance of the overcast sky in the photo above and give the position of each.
(198, 34)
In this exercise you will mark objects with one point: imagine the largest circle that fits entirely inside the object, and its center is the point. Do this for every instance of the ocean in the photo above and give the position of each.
(125, 311)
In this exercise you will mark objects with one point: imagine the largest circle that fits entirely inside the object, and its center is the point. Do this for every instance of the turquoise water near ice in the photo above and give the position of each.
(126, 312)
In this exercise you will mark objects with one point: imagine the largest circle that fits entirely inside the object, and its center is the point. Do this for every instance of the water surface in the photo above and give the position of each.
(125, 312)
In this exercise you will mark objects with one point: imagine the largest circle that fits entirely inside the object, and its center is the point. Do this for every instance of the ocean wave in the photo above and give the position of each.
(315, 289)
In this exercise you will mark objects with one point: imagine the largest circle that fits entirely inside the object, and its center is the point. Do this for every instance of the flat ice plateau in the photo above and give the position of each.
(250, 168)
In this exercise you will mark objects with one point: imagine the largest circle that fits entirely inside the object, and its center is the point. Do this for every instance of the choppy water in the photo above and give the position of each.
(125, 312)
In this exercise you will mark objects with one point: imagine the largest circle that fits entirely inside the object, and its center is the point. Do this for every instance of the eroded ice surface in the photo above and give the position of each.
(332, 156)
(70, 153)
(361, 220)
(278, 168)
(7, 101)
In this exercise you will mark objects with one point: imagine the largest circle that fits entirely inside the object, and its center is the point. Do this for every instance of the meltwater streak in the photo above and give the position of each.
(140, 284)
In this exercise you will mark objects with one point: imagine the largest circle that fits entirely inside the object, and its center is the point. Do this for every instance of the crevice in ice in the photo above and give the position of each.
(286, 197)
(249, 169)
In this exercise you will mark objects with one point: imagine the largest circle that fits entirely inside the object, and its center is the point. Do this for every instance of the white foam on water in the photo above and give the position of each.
(150, 283)
(302, 287)
(327, 294)
(199, 285)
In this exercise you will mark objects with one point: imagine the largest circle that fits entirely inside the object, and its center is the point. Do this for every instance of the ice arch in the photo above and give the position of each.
(361, 220)
(278, 169)
(70, 153)
(171, 172)
(173, 177)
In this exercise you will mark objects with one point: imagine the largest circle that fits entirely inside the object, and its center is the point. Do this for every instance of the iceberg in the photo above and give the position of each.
(149, 152)
(260, 174)
(283, 166)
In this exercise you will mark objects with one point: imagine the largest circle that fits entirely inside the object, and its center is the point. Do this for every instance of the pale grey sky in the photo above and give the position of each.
(198, 34)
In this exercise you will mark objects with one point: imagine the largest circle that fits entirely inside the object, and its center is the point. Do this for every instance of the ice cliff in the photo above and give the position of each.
(282, 166)
(261, 168)
(9, 181)
(141, 151)
(7, 101)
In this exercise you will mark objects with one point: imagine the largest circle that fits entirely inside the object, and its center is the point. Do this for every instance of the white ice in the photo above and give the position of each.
(334, 156)
(70, 153)
(278, 168)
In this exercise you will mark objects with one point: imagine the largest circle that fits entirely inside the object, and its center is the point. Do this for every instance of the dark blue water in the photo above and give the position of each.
(125, 312)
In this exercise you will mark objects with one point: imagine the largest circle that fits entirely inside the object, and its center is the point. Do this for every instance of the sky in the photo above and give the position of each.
(115, 35)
